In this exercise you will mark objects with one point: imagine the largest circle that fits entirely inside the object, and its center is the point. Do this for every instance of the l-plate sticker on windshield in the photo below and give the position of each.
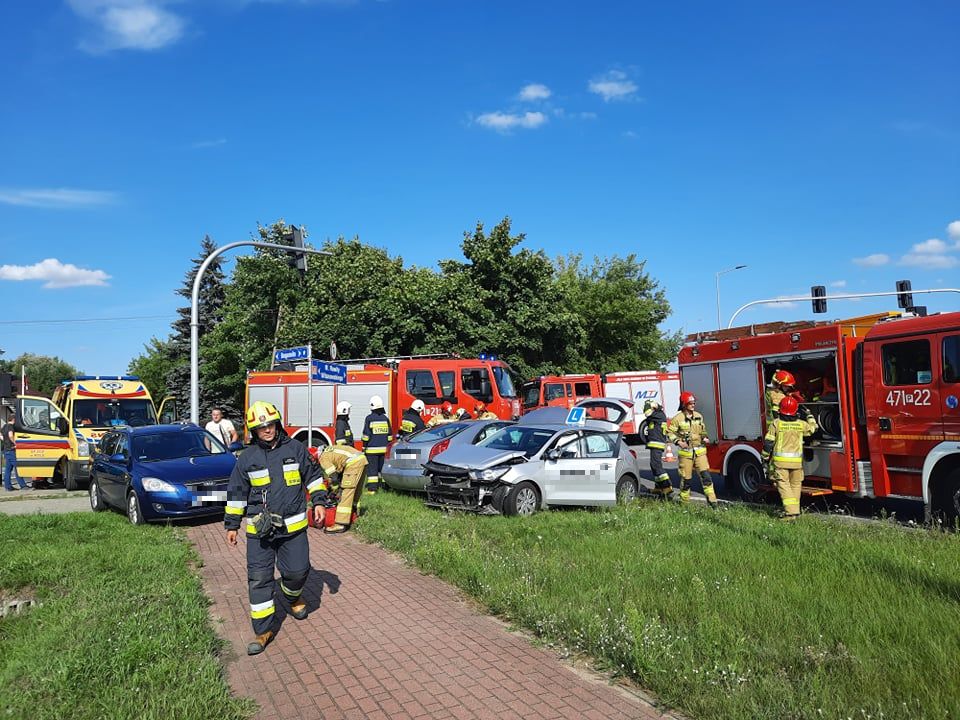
(908, 397)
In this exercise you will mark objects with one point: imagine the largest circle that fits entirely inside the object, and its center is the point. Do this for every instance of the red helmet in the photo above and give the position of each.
(479, 407)
(687, 397)
(789, 406)
(782, 377)
(447, 408)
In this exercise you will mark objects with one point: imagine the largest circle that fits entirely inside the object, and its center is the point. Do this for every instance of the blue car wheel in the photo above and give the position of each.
(134, 515)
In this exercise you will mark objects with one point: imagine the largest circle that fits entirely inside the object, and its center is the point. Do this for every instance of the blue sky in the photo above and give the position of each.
(817, 143)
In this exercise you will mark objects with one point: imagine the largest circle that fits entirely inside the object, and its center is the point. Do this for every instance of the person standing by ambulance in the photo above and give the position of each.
(656, 444)
(377, 434)
(688, 432)
(343, 435)
(783, 452)
(267, 486)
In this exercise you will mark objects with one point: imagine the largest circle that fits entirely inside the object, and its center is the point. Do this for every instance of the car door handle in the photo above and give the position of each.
(885, 423)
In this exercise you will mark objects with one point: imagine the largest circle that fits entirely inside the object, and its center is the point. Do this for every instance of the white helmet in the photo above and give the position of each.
(343, 408)
(418, 406)
(376, 402)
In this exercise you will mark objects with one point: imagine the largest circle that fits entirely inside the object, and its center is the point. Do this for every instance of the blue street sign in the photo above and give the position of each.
(576, 416)
(295, 353)
(329, 372)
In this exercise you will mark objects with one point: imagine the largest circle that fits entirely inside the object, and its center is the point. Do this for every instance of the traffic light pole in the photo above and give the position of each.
(194, 312)
(801, 298)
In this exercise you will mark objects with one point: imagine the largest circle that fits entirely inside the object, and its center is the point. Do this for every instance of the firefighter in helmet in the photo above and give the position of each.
(688, 432)
(377, 434)
(783, 452)
(412, 419)
(463, 414)
(444, 416)
(482, 413)
(656, 444)
(781, 384)
(267, 487)
(345, 467)
(343, 435)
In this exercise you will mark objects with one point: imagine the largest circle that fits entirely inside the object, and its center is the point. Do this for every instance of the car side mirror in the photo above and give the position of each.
(63, 427)
(235, 447)
(119, 458)
(553, 454)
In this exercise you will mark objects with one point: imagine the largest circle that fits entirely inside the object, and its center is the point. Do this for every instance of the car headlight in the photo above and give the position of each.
(488, 475)
(83, 448)
(157, 485)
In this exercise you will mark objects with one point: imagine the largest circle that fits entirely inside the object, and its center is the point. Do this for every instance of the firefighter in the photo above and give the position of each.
(688, 432)
(412, 420)
(783, 452)
(482, 413)
(343, 435)
(377, 434)
(463, 415)
(656, 443)
(345, 467)
(444, 416)
(267, 486)
(781, 384)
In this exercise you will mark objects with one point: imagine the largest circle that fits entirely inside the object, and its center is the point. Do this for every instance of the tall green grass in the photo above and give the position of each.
(123, 630)
(722, 614)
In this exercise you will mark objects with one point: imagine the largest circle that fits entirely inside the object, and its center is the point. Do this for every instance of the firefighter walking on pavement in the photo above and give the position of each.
(343, 435)
(783, 452)
(412, 420)
(267, 489)
(656, 444)
(688, 432)
(377, 434)
(345, 469)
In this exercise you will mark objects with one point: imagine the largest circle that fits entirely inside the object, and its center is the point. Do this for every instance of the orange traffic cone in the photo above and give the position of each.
(668, 455)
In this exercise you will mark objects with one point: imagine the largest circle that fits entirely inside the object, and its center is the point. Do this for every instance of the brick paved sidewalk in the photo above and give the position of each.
(414, 647)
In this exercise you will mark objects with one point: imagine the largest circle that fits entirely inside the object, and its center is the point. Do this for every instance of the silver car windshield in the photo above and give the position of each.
(528, 440)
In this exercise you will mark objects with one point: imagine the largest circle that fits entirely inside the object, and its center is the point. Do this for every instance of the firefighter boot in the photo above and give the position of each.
(709, 491)
(298, 608)
(335, 529)
(663, 488)
(259, 643)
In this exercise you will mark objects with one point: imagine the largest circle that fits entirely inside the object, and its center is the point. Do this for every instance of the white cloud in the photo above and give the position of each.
(55, 197)
(929, 261)
(838, 284)
(613, 85)
(953, 230)
(875, 260)
(933, 245)
(534, 91)
(54, 273)
(505, 122)
(129, 24)
(200, 144)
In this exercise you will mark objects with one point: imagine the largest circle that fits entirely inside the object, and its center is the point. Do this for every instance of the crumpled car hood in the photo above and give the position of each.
(476, 458)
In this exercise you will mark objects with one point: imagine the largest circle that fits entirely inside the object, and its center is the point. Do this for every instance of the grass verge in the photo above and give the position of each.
(123, 630)
(726, 614)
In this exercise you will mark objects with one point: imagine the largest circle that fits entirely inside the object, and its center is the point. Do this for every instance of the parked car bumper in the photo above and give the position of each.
(184, 504)
(404, 478)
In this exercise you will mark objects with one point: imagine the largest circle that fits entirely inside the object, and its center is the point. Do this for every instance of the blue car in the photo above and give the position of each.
(161, 472)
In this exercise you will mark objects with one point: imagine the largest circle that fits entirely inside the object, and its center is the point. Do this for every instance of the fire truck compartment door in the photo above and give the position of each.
(698, 379)
(739, 400)
(322, 405)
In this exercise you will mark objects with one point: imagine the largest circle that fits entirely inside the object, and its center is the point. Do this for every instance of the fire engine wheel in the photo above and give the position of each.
(745, 479)
(946, 500)
(523, 499)
(626, 490)
(134, 515)
(96, 499)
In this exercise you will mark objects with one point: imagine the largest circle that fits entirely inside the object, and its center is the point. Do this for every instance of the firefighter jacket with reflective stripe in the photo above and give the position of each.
(657, 430)
(783, 442)
(440, 419)
(343, 435)
(691, 429)
(774, 396)
(376, 433)
(487, 415)
(411, 422)
(334, 460)
(280, 474)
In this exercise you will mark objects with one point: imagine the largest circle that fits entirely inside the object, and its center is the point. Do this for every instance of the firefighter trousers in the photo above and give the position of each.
(291, 555)
(374, 466)
(687, 464)
(789, 481)
(351, 487)
(661, 479)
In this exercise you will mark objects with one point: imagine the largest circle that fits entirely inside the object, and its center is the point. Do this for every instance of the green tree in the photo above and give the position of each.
(43, 372)
(153, 366)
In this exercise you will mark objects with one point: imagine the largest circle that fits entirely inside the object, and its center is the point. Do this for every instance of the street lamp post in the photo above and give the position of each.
(723, 272)
(195, 313)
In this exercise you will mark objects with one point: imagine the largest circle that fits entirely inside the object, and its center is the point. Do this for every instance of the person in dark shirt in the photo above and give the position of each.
(10, 457)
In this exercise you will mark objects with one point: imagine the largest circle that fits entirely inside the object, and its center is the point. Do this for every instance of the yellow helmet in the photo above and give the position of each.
(261, 414)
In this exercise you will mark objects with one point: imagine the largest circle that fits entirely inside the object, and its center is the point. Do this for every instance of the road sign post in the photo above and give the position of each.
(292, 354)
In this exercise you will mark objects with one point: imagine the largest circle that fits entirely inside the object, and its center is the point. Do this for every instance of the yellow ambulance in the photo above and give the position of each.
(55, 436)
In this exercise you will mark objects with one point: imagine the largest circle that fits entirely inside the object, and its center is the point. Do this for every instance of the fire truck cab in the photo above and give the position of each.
(884, 389)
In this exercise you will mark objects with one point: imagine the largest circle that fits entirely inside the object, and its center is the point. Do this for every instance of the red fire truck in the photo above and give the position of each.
(884, 389)
(461, 381)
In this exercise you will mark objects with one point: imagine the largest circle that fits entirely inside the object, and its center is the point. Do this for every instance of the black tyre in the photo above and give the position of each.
(134, 514)
(498, 497)
(745, 479)
(627, 490)
(643, 432)
(96, 499)
(945, 503)
(522, 499)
